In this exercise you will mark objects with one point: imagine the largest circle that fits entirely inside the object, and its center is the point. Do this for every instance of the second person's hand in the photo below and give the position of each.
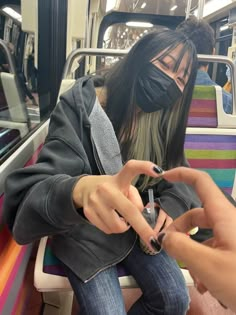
(213, 265)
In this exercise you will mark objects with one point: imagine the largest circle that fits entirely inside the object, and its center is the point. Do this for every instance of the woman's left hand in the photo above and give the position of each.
(163, 221)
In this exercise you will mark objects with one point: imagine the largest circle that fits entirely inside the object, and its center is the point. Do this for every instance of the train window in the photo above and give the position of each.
(223, 42)
(123, 36)
(19, 109)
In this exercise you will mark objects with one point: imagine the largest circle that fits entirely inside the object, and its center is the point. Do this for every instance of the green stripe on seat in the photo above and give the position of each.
(204, 92)
(211, 154)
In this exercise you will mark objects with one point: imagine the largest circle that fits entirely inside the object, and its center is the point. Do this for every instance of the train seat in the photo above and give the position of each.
(215, 153)
(203, 110)
(209, 146)
(207, 109)
(13, 264)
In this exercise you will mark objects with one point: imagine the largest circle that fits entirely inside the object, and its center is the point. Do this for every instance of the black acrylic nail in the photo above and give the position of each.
(157, 169)
(160, 238)
(155, 245)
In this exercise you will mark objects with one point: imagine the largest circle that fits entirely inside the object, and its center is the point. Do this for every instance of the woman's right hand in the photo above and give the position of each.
(112, 203)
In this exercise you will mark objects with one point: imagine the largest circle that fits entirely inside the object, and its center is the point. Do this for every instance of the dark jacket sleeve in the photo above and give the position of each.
(175, 198)
(38, 198)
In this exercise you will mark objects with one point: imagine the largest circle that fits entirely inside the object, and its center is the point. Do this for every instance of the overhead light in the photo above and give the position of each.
(214, 5)
(12, 13)
(173, 8)
(143, 5)
(224, 27)
(110, 5)
(139, 24)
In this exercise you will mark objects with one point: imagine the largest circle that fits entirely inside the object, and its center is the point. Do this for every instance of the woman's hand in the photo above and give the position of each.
(163, 221)
(213, 265)
(112, 203)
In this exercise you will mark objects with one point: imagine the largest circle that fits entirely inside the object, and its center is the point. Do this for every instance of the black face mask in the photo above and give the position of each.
(155, 90)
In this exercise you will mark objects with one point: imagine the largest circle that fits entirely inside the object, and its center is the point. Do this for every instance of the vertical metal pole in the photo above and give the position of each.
(189, 4)
(201, 4)
(233, 43)
(52, 28)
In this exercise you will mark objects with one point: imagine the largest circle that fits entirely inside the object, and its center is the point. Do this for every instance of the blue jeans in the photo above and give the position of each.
(159, 277)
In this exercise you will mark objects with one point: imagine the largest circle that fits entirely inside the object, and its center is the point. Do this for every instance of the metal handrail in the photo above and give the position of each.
(89, 52)
(121, 52)
(228, 62)
(10, 60)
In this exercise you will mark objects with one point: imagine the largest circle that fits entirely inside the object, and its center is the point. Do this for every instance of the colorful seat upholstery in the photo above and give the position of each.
(13, 263)
(215, 154)
(203, 111)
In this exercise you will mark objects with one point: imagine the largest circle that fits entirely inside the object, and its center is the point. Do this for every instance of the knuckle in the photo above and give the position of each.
(86, 211)
(107, 231)
(205, 174)
(93, 198)
(88, 214)
(120, 227)
(103, 188)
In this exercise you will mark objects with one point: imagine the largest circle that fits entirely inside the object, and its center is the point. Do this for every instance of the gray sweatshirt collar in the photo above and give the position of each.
(105, 140)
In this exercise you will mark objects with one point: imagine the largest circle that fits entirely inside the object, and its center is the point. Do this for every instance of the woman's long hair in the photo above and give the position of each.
(157, 136)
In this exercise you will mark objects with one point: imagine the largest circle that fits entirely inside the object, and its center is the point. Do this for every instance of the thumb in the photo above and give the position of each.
(204, 263)
(183, 248)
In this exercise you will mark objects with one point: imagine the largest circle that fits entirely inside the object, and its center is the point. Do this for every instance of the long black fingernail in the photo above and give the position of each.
(160, 238)
(157, 169)
(155, 245)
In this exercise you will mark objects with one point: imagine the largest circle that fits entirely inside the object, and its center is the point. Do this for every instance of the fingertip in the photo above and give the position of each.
(155, 245)
(158, 170)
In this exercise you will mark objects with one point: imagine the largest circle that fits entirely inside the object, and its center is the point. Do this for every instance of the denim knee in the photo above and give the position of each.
(178, 302)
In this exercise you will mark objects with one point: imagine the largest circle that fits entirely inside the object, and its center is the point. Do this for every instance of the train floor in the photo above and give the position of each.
(200, 304)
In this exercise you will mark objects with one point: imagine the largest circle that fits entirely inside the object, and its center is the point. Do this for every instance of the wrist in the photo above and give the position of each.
(77, 195)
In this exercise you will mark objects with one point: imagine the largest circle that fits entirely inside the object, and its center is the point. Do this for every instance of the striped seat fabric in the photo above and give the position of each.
(13, 263)
(203, 112)
(215, 154)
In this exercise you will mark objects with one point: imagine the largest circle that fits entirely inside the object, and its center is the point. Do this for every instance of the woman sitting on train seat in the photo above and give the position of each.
(80, 193)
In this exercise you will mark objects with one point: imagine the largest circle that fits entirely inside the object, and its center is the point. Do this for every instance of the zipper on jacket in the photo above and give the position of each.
(96, 157)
